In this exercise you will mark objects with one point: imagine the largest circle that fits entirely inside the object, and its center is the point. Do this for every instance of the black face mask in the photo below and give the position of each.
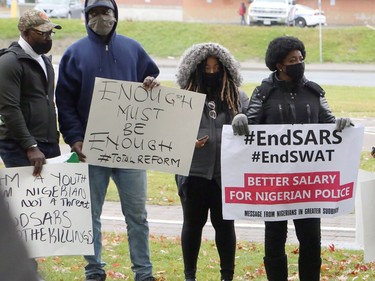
(211, 79)
(295, 71)
(42, 48)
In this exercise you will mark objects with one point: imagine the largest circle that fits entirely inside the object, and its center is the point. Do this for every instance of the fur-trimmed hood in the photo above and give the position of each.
(198, 53)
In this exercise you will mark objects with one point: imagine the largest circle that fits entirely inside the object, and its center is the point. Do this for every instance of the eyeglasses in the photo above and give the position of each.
(45, 34)
(212, 112)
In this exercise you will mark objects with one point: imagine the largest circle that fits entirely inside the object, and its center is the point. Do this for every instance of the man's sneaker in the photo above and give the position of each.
(96, 277)
(149, 279)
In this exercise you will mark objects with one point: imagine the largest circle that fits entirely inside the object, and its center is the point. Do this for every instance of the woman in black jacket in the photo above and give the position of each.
(287, 97)
(209, 69)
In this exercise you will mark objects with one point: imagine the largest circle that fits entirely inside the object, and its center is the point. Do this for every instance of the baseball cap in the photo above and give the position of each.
(99, 3)
(35, 19)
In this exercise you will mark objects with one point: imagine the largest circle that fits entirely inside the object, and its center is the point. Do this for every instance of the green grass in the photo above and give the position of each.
(351, 101)
(168, 265)
(367, 162)
(163, 39)
(344, 101)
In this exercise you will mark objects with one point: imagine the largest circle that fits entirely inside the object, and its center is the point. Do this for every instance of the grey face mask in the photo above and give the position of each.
(102, 24)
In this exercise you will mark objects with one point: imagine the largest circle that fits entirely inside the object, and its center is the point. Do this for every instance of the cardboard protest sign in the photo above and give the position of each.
(368, 208)
(281, 172)
(131, 127)
(52, 212)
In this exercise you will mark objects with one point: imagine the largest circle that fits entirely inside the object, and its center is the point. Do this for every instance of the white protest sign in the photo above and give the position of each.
(131, 127)
(365, 224)
(281, 172)
(52, 212)
(368, 209)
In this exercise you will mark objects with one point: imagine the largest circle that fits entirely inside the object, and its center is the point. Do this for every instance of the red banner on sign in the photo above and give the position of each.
(268, 189)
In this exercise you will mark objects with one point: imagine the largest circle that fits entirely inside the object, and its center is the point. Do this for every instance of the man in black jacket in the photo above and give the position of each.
(28, 129)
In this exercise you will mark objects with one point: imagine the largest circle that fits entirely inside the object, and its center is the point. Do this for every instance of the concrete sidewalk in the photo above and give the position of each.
(167, 221)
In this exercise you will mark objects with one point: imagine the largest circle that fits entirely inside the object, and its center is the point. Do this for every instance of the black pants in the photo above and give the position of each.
(198, 196)
(309, 261)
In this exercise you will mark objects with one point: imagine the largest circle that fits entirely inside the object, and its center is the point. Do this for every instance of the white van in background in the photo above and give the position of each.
(268, 12)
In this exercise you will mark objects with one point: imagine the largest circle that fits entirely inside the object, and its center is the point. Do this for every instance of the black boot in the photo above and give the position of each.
(226, 275)
(309, 271)
(276, 268)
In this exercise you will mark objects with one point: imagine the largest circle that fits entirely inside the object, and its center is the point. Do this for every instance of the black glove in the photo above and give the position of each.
(240, 125)
(342, 123)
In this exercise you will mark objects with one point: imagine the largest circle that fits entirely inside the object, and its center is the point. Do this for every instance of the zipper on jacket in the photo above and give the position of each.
(49, 120)
(48, 137)
(292, 109)
(281, 114)
(308, 111)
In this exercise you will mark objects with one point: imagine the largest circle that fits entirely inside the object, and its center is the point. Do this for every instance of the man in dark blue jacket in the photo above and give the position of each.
(103, 53)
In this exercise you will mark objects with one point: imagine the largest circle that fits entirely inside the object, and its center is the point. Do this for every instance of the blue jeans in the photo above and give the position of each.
(132, 187)
(14, 155)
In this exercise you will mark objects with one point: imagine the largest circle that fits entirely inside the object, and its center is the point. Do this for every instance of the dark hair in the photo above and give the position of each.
(280, 47)
(228, 92)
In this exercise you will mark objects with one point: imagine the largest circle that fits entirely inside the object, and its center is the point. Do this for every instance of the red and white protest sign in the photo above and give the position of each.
(280, 172)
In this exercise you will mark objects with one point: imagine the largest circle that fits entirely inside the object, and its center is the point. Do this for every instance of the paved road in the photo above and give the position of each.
(254, 72)
(323, 77)
(324, 74)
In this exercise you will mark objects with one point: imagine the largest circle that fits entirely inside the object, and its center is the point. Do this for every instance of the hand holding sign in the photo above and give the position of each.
(133, 127)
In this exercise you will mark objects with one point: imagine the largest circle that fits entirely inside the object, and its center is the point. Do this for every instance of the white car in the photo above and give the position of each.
(268, 12)
(61, 8)
(301, 16)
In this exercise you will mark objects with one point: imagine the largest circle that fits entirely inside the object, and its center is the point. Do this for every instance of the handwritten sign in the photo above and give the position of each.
(281, 172)
(52, 212)
(131, 127)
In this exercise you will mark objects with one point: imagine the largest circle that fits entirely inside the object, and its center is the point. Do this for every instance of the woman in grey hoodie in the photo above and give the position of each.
(209, 69)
